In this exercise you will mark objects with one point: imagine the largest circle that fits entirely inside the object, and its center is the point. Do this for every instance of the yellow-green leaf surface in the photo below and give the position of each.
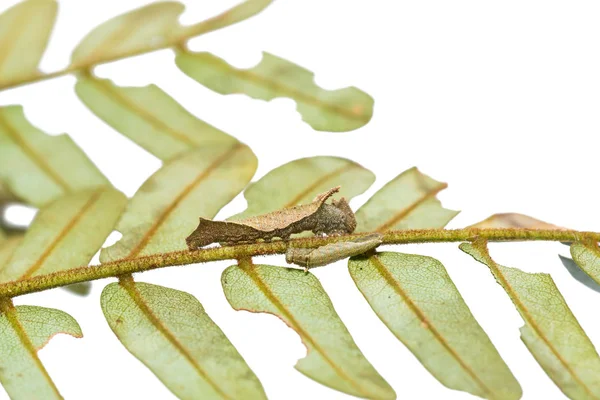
(587, 257)
(170, 332)
(141, 30)
(65, 234)
(23, 331)
(406, 202)
(166, 208)
(414, 296)
(7, 248)
(299, 181)
(242, 11)
(5, 195)
(325, 110)
(297, 298)
(39, 168)
(513, 220)
(148, 116)
(24, 33)
(551, 331)
(152, 27)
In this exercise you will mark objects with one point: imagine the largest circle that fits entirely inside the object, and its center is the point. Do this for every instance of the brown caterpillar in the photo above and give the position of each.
(318, 217)
(310, 258)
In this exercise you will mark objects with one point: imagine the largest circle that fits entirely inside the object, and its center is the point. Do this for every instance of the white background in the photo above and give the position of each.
(500, 99)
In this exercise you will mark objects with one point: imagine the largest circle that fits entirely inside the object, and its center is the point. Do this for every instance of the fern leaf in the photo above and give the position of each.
(148, 116)
(23, 331)
(513, 220)
(7, 248)
(242, 11)
(311, 176)
(170, 332)
(141, 30)
(297, 298)
(578, 273)
(39, 168)
(414, 296)
(337, 110)
(406, 202)
(66, 233)
(166, 208)
(27, 25)
(551, 332)
(587, 257)
(149, 28)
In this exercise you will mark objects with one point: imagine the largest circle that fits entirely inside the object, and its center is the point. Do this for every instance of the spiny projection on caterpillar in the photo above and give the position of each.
(318, 217)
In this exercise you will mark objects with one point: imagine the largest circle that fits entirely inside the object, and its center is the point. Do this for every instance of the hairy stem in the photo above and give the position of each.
(146, 263)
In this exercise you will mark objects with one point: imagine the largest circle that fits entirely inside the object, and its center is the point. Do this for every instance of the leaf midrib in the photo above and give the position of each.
(12, 317)
(401, 214)
(250, 270)
(318, 182)
(139, 111)
(186, 191)
(286, 91)
(482, 247)
(395, 284)
(62, 234)
(128, 284)
(32, 155)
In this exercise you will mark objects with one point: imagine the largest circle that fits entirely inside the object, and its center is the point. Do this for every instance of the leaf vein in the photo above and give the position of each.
(389, 278)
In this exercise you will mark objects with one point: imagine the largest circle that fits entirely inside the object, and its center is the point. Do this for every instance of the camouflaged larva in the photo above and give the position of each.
(309, 258)
(318, 217)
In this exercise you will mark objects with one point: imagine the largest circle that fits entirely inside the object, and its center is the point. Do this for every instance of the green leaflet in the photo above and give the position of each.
(23, 331)
(577, 273)
(551, 331)
(299, 181)
(7, 248)
(406, 202)
(166, 208)
(414, 296)
(152, 27)
(242, 11)
(297, 298)
(39, 168)
(325, 110)
(134, 32)
(171, 334)
(24, 33)
(148, 116)
(587, 257)
(65, 234)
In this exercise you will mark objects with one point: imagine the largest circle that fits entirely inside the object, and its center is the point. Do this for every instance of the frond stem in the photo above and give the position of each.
(145, 263)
